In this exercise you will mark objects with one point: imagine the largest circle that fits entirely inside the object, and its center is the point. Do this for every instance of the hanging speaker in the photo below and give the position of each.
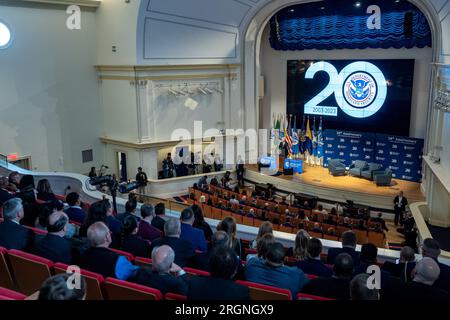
(408, 25)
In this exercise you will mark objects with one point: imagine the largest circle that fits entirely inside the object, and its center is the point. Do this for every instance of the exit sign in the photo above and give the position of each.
(13, 157)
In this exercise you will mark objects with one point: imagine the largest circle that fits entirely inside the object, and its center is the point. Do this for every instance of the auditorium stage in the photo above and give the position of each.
(318, 182)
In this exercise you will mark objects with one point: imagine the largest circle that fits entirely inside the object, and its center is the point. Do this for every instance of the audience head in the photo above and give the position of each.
(314, 248)
(44, 186)
(223, 263)
(99, 235)
(187, 216)
(349, 239)
(14, 178)
(162, 258)
(228, 224)
(275, 254)
(198, 214)
(369, 253)
(286, 211)
(220, 238)
(426, 271)
(97, 212)
(160, 209)
(130, 206)
(147, 211)
(431, 248)
(202, 199)
(266, 227)
(57, 223)
(343, 266)
(56, 288)
(13, 209)
(316, 225)
(263, 244)
(333, 211)
(251, 211)
(407, 254)
(359, 289)
(73, 199)
(129, 226)
(140, 169)
(320, 207)
(4, 182)
(301, 241)
(172, 228)
(380, 214)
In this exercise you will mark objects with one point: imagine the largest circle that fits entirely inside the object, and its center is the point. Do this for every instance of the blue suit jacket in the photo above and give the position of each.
(194, 236)
(315, 267)
(75, 214)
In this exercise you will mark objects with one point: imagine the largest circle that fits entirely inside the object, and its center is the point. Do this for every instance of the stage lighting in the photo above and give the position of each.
(357, 4)
(128, 187)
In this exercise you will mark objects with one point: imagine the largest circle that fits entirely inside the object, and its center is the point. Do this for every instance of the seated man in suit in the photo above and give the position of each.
(74, 211)
(273, 272)
(335, 287)
(218, 239)
(53, 245)
(184, 251)
(368, 257)
(100, 259)
(4, 193)
(404, 267)
(146, 230)
(165, 275)
(129, 241)
(159, 220)
(223, 265)
(359, 291)
(12, 234)
(317, 228)
(431, 249)
(195, 236)
(348, 246)
(313, 265)
(381, 221)
(130, 210)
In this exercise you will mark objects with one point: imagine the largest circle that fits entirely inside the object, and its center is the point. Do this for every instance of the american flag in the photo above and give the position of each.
(288, 140)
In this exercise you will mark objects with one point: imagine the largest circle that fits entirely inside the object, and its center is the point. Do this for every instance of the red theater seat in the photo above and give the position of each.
(174, 296)
(29, 270)
(263, 292)
(143, 262)
(123, 290)
(94, 281)
(127, 255)
(303, 296)
(6, 277)
(195, 272)
(37, 230)
(7, 294)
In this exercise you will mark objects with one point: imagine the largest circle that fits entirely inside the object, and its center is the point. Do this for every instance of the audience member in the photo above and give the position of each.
(348, 240)
(200, 223)
(272, 271)
(28, 195)
(381, 221)
(159, 220)
(44, 191)
(5, 195)
(195, 236)
(100, 259)
(53, 245)
(92, 173)
(262, 246)
(218, 239)
(359, 291)
(203, 183)
(264, 228)
(312, 264)
(130, 210)
(129, 241)
(335, 287)
(300, 244)
(146, 230)
(184, 251)
(368, 257)
(228, 224)
(165, 275)
(431, 249)
(56, 288)
(14, 181)
(223, 265)
(74, 211)
(12, 234)
(404, 267)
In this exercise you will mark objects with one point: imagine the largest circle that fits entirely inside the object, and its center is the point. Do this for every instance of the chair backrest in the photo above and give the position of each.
(127, 255)
(143, 262)
(361, 236)
(216, 213)
(94, 281)
(207, 211)
(7, 294)
(37, 230)
(195, 272)
(264, 292)
(237, 217)
(123, 290)
(330, 237)
(174, 296)
(29, 270)
(304, 296)
(285, 229)
(6, 277)
(247, 221)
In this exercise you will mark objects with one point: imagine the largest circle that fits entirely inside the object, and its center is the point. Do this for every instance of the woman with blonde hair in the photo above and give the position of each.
(228, 225)
(265, 228)
(262, 246)
(301, 242)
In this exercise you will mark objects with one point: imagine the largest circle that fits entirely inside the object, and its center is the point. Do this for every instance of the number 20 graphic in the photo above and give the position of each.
(360, 88)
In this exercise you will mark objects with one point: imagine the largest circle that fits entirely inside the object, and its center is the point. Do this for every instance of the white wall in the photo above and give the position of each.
(49, 103)
(274, 70)
(445, 157)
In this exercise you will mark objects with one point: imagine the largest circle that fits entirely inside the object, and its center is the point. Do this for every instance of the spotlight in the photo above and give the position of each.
(292, 10)
(357, 4)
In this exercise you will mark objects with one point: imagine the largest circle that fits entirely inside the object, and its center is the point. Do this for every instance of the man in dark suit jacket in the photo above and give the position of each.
(195, 236)
(12, 234)
(431, 249)
(335, 287)
(4, 194)
(348, 246)
(53, 245)
(313, 265)
(74, 211)
(400, 203)
(130, 209)
(159, 221)
(146, 230)
(223, 267)
(184, 251)
(162, 276)
(404, 267)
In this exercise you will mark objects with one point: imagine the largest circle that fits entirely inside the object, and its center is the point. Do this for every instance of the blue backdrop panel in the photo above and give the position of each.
(348, 146)
(402, 155)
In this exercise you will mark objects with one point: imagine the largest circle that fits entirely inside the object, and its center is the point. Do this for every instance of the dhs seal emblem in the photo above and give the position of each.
(360, 90)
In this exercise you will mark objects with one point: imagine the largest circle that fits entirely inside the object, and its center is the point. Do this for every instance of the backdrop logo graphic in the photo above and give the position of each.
(360, 90)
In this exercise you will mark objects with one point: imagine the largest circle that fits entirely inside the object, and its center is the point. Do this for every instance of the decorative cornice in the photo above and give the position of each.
(103, 68)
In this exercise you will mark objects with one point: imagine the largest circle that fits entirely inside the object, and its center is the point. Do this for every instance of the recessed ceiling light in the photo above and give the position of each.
(5, 36)
(357, 4)
(292, 10)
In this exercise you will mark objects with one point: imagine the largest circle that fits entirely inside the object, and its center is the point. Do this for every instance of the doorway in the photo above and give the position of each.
(122, 166)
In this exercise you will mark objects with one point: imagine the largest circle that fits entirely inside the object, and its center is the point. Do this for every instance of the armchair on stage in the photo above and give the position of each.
(336, 167)
(357, 168)
(383, 178)
(370, 169)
